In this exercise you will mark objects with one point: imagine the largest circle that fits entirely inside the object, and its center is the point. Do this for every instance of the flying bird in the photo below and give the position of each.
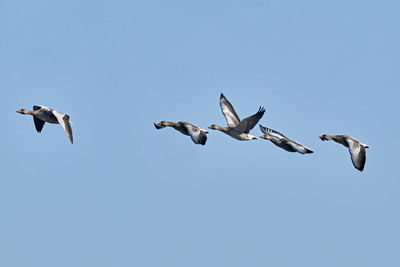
(356, 148)
(197, 134)
(236, 128)
(283, 142)
(42, 114)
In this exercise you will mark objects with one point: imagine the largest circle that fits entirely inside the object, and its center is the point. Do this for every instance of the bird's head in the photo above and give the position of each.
(266, 137)
(325, 137)
(22, 111)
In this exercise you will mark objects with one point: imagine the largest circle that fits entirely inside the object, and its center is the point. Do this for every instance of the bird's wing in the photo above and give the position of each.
(229, 112)
(38, 124)
(357, 152)
(271, 132)
(248, 123)
(198, 136)
(63, 120)
(298, 147)
(263, 129)
(36, 107)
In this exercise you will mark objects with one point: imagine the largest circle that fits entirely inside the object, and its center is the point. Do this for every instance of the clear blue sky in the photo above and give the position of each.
(125, 194)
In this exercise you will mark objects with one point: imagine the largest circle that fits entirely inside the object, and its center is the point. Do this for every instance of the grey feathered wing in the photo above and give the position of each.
(248, 123)
(63, 120)
(232, 119)
(357, 152)
(198, 136)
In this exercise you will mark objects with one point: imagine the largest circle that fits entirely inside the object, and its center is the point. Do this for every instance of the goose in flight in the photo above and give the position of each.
(236, 128)
(283, 142)
(42, 114)
(197, 134)
(356, 148)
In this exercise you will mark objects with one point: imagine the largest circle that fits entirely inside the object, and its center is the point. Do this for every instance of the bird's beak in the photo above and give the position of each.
(263, 137)
(321, 137)
(19, 111)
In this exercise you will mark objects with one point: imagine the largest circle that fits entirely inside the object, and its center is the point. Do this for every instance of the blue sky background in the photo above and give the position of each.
(125, 194)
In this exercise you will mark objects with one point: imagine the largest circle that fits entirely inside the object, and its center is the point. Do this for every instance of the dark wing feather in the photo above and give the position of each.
(248, 123)
(202, 139)
(38, 124)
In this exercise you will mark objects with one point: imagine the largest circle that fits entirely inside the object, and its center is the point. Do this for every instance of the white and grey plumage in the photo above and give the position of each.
(283, 142)
(198, 135)
(356, 148)
(42, 114)
(236, 128)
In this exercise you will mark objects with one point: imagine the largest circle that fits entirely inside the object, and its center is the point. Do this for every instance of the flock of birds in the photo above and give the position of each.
(236, 128)
(240, 130)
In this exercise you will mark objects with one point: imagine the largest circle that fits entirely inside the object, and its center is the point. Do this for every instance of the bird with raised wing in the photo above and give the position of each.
(356, 148)
(198, 135)
(42, 114)
(283, 142)
(238, 129)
